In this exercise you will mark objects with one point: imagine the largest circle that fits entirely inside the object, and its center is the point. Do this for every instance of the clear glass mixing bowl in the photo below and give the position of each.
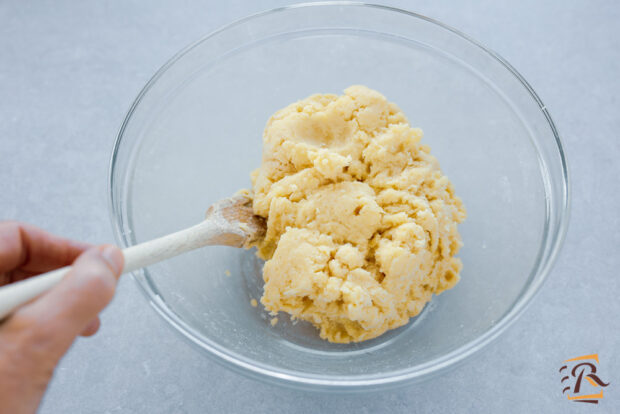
(194, 134)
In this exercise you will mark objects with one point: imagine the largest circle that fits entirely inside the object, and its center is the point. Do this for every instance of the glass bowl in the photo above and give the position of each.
(194, 134)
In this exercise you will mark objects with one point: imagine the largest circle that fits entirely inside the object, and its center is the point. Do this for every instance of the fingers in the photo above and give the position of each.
(32, 250)
(68, 309)
(37, 335)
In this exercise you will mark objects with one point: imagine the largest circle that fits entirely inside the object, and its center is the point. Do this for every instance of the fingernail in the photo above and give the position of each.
(114, 257)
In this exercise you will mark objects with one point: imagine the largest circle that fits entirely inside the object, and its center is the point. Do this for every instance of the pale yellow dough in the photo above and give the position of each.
(361, 223)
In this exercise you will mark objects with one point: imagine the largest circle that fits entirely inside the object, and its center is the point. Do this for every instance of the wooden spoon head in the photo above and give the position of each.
(237, 211)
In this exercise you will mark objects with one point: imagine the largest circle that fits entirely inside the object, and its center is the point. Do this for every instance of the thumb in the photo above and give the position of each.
(60, 314)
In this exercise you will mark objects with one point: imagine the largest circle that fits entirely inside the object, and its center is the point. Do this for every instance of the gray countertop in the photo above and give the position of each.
(69, 71)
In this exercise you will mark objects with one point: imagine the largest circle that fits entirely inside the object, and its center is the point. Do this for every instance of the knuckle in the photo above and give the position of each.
(10, 229)
(9, 224)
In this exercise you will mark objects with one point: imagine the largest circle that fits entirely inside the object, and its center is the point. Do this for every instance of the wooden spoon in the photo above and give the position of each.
(228, 222)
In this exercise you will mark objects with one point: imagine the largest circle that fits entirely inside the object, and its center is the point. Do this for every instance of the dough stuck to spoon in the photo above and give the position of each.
(240, 226)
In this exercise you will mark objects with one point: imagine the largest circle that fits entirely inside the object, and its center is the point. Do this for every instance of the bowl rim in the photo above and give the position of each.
(353, 383)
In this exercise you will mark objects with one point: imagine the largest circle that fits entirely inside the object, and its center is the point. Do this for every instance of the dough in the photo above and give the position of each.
(361, 223)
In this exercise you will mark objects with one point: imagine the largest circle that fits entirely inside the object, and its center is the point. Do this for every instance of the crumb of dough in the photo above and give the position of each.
(227, 273)
(254, 303)
(273, 321)
(361, 222)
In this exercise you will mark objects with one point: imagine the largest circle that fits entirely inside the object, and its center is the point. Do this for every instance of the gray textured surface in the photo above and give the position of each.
(69, 71)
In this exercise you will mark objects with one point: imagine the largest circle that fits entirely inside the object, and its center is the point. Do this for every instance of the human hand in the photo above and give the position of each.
(36, 336)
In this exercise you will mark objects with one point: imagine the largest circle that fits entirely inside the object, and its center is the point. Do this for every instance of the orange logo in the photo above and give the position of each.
(575, 372)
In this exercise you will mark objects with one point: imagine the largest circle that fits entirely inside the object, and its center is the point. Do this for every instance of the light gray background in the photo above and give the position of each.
(69, 71)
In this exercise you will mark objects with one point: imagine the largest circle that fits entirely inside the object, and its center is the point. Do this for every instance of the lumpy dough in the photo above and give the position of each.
(361, 223)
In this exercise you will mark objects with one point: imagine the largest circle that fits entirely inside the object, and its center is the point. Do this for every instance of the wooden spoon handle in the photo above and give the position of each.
(209, 232)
